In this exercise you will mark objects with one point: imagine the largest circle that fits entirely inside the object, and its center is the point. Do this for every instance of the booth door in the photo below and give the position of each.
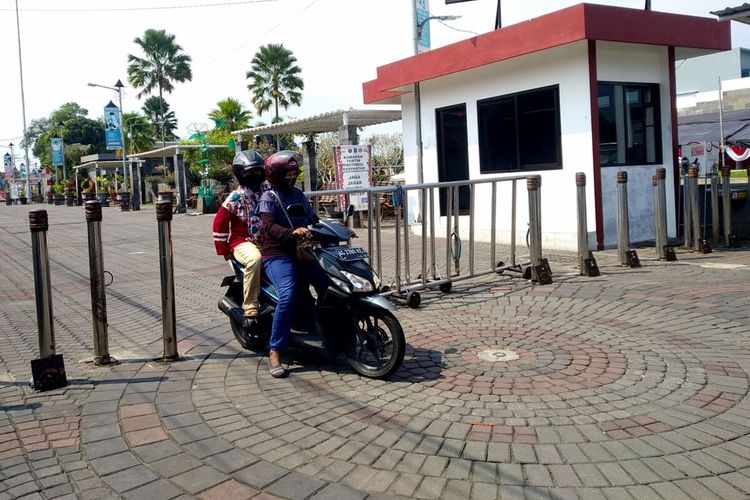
(453, 154)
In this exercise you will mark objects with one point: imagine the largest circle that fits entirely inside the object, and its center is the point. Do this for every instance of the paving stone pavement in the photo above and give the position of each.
(630, 385)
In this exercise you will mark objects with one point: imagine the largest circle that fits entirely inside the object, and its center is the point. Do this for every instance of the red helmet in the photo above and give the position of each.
(278, 164)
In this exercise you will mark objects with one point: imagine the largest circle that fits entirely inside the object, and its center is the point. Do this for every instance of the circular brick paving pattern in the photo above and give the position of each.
(613, 392)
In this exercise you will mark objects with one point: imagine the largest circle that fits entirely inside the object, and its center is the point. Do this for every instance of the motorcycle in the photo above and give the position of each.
(350, 317)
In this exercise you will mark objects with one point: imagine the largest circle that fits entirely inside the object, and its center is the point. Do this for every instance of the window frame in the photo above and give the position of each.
(483, 136)
(657, 126)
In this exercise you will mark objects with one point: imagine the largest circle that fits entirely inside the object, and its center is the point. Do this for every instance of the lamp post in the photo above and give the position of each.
(117, 88)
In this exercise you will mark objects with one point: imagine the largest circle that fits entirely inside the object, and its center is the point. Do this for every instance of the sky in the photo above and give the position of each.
(338, 45)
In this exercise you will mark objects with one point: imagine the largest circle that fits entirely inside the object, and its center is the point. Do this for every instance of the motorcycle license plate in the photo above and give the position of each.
(348, 254)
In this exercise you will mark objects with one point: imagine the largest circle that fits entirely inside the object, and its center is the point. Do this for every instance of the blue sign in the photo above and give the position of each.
(422, 11)
(112, 134)
(58, 157)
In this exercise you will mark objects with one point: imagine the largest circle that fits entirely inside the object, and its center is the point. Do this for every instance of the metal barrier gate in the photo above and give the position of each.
(403, 286)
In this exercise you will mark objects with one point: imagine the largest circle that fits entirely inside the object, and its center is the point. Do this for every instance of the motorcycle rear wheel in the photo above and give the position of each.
(378, 346)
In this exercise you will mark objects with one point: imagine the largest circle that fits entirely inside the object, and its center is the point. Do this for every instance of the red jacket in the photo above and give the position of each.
(236, 214)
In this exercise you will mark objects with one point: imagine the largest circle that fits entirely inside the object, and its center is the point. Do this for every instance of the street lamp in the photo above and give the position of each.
(420, 25)
(117, 88)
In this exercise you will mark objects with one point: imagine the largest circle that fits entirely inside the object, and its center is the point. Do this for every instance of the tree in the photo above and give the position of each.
(81, 135)
(140, 132)
(163, 64)
(275, 79)
(231, 113)
(154, 109)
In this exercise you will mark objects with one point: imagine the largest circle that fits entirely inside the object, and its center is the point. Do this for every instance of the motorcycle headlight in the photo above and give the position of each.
(376, 280)
(359, 284)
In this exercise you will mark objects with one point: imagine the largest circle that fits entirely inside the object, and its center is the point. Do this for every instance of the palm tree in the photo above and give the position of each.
(163, 64)
(140, 132)
(275, 79)
(232, 113)
(153, 108)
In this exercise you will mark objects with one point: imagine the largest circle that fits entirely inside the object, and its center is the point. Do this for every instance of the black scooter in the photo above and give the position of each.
(350, 318)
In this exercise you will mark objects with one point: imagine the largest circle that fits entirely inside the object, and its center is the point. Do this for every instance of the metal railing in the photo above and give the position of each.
(425, 223)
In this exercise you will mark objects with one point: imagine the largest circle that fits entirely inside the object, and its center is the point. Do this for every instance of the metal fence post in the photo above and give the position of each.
(726, 192)
(166, 268)
(623, 223)
(660, 212)
(48, 371)
(96, 272)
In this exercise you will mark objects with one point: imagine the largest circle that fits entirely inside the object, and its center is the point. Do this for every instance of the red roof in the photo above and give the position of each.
(579, 22)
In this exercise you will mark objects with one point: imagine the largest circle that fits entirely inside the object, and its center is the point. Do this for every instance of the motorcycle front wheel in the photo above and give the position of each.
(377, 348)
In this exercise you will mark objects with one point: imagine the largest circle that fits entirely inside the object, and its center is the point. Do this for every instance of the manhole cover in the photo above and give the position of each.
(497, 355)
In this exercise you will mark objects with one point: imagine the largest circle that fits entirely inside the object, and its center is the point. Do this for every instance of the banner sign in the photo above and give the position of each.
(112, 126)
(58, 157)
(422, 10)
(353, 168)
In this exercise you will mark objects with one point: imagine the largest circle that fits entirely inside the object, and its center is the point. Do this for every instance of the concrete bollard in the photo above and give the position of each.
(539, 267)
(715, 224)
(48, 372)
(726, 192)
(660, 212)
(166, 268)
(96, 273)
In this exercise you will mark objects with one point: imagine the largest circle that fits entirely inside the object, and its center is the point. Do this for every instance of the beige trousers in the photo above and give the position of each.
(248, 255)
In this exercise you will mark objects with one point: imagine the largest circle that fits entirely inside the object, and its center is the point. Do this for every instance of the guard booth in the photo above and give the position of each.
(589, 88)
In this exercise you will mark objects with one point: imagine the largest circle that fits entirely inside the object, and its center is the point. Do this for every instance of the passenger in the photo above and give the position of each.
(237, 227)
(281, 231)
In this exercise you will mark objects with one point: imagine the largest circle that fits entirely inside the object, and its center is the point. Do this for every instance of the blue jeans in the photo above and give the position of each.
(291, 279)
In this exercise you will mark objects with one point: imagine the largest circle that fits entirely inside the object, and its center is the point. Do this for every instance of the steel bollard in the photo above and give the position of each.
(695, 211)
(726, 192)
(586, 262)
(539, 268)
(687, 226)
(715, 224)
(166, 269)
(623, 224)
(48, 372)
(96, 273)
(660, 212)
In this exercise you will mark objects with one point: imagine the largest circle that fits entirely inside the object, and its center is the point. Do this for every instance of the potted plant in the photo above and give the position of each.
(8, 199)
(50, 197)
(102, 190)
(58, 189)
(70, 189)
(22, 196)
(87, 189)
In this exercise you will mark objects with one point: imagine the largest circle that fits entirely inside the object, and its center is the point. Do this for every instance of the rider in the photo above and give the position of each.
(290, 277)
(237, 227)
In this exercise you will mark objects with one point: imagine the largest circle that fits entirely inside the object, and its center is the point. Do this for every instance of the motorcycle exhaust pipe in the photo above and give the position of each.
(231, 309)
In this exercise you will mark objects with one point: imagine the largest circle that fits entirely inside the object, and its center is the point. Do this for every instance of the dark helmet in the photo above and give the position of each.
(247, 167)
(278, 164)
